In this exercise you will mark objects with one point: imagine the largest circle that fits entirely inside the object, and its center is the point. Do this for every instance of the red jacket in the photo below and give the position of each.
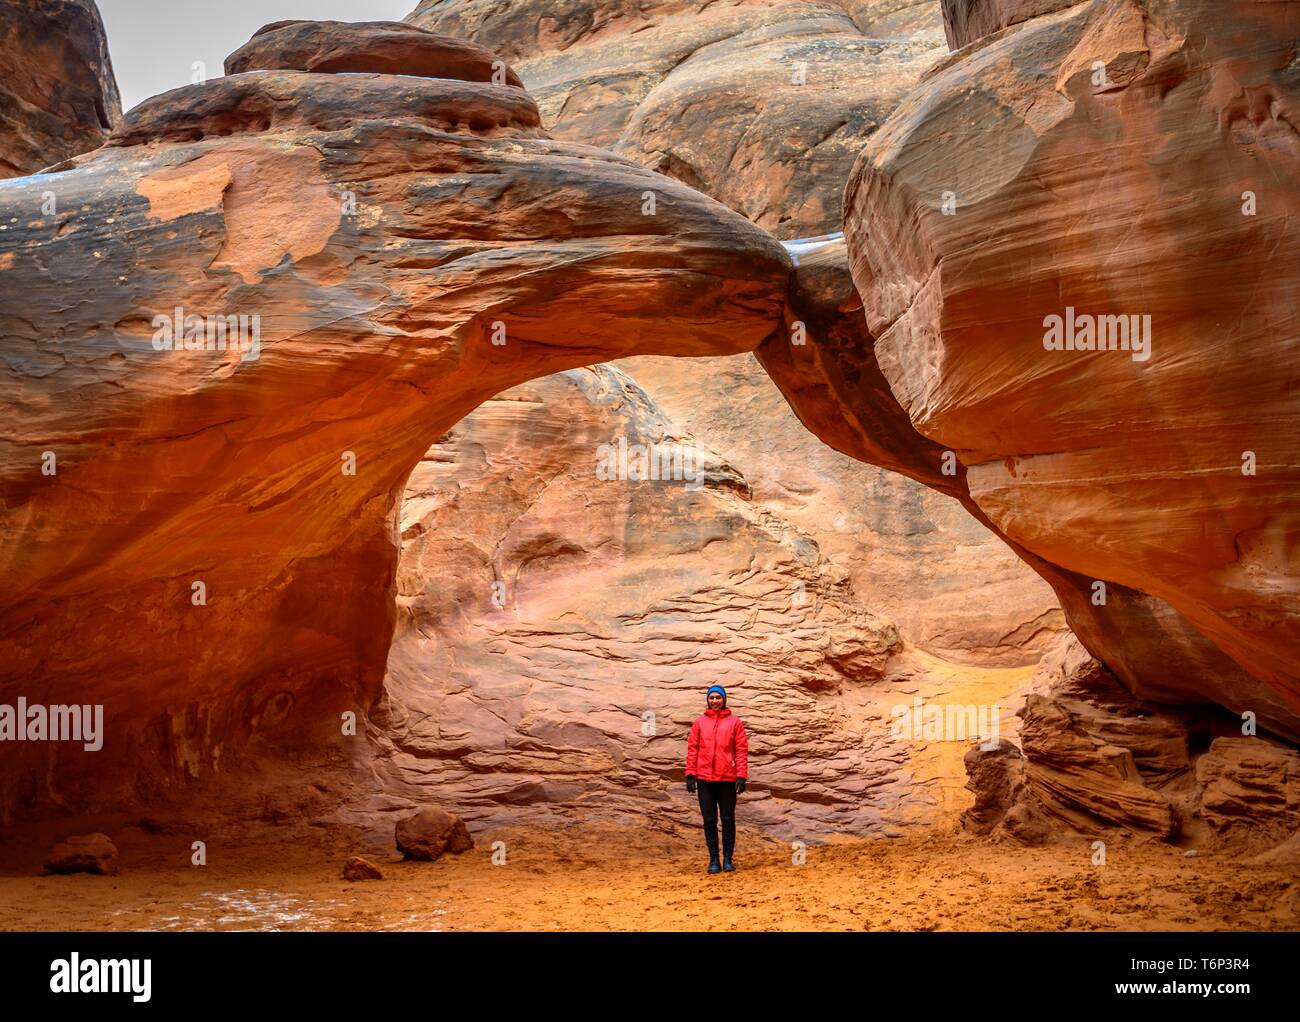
(718, 748)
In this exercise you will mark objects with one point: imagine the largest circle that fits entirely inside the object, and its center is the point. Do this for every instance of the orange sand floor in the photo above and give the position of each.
(621, 879)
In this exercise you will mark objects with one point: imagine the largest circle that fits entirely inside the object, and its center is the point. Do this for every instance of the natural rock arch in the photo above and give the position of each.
(411, 247)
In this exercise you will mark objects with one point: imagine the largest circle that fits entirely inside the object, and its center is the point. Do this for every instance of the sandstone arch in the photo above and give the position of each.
(380, 227)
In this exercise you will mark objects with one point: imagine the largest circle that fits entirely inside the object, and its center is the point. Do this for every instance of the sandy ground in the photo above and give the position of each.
(623, 879)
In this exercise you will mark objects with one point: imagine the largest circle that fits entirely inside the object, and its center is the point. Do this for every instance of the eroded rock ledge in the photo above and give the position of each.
(384, 47)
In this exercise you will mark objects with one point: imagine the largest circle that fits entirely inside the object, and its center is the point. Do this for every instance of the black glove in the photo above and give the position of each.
(740, 785)
(690, 783)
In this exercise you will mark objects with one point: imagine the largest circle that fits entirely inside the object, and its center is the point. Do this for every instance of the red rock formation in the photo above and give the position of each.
(58, 96)
(1096, 761)
(1248, 786)
(358, 868)
(385, 47)
(217, 529)
(207, 546)
(1111, 159)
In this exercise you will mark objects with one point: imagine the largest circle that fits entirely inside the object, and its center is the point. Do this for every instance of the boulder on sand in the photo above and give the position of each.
(430, 832)
(357, 868)
(84, 853)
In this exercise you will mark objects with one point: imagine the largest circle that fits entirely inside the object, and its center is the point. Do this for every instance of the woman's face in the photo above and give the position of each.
(715, 701)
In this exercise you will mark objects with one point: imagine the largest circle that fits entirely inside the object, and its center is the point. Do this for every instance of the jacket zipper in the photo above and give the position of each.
(716, 721)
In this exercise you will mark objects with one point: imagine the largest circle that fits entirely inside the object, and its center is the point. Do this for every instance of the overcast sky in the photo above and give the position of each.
(154, 43)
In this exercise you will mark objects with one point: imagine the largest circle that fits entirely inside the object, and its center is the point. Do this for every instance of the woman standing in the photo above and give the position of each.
(717, 764)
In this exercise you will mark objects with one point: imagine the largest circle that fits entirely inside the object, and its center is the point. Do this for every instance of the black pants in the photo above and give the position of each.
(718, 796)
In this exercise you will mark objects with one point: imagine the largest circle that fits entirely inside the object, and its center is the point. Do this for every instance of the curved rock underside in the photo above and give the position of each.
(839, 392)
(58, 96)
(1062, 163)
(521, 718)
(215, 527)
(966, 21)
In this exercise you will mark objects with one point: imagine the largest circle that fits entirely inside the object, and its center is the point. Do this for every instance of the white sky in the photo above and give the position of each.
(154, 43)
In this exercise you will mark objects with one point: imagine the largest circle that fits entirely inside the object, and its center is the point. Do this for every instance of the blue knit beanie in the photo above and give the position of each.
(718, 689)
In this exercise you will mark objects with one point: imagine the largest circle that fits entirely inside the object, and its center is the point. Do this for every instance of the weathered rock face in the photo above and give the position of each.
(568, 22)
(911, 553)
(548, 613)
(1250, 785)
(997, 777)
(1161, 190)
(769, 120)
(1097, 761)
(202, 540)
(965, 21)
(762, 105)
(559, 622)
(58, 97)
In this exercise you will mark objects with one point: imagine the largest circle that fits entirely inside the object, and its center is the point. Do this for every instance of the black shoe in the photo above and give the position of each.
(727, 864)
(713, 864)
